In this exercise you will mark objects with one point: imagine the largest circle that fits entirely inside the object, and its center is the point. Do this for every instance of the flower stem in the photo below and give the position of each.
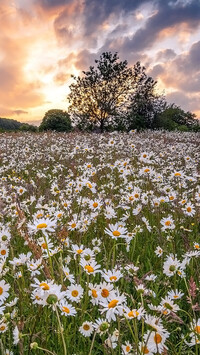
(61, 330)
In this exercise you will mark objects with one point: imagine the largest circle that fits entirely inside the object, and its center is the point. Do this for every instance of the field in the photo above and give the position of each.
(99, 244)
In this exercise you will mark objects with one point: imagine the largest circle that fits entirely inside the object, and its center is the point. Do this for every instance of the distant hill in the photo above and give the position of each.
(7, 124)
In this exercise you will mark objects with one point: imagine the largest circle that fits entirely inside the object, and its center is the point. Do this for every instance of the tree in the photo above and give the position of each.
(99, 96)
(56, 120)
(144, 103)
(173, 117)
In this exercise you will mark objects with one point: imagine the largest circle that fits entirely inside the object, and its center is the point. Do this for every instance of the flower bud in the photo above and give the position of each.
(52, 299)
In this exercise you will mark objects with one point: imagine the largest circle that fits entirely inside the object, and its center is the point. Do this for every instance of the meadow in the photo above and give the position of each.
(99, 243)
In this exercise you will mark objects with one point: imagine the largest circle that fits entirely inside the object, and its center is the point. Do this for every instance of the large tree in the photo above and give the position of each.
(111, 94)
(99, 95)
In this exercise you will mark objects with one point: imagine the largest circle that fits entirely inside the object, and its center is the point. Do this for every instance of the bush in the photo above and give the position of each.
(56, 120)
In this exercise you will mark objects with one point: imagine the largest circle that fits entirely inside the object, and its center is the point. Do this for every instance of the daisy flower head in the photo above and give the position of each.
(42, 224)
(175, 295)
(90, 267)
(156, 341)
(86, 329)
(116, 230)
(4, 287)
(189, 209)
(74, 293)
(112, 275)
(66, 308)
(171, 266)
(113, 306)
(106, 290)
(167, 223)
(3, 327)
(101, 326)
(126, 348)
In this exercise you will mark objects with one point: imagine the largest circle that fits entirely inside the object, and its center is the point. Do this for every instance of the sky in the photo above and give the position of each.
(44, 42)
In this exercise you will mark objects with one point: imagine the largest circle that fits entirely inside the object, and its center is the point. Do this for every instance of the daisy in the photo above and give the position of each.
(112, 275)
(74, 293)
(77, 250)
(159, 251)
(189, 209)
(169, 305)
(113, 306)
(3, 327)
(3, 291)
(171, 266)
(16, 336)
(175, 295)
(86, 329)
(67, 274)
(167, 223)
(126, 348)
(42, 224)
(4, 251)
(116, 231)
(90, 267)
(101, 326)
(106, 290)
(156, 341)
(66, 308)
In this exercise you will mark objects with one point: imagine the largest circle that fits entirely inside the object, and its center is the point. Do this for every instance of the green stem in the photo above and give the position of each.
(48, 351)
(61, 330)
(50, 260)
(93, 339)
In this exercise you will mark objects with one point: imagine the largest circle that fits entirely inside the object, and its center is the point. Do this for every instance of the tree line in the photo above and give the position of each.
(112, 96)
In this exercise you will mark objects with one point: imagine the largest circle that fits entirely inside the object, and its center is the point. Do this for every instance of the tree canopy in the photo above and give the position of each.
(56, 120)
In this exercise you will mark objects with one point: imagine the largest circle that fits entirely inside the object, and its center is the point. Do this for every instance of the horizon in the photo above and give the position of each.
(43, 42)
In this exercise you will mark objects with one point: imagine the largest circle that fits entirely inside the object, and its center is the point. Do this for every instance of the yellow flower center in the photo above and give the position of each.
(3, 252)
(146, 170)
(89, 268)
(39, 215)
(175, 296)
(168, 223)
(197, 329)
(59, 215)
(73, 225)
(21, 190)
(113, 304)
(2, 328)
(1, 290)
(44, 286)
(94, 293)
(189, 209)
(44, 245)
(144, 155)
(177, 174)
(89, 185)
(104, 293)
(66, 310)
(196, 246)
(86, 327)
(136, 195)
(128, 348)
(130, 198)
(116, 233)
(95, 204)
(41, 225)
(171, 198)
(133, 314)
(145, 350)
(113, 278)
(79, 251)
(157, 338)
(74, 293)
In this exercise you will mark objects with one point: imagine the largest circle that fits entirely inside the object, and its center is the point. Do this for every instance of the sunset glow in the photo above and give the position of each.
(43, 42)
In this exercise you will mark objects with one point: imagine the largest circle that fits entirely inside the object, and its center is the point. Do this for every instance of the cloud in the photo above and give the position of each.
(19, 112)
(165, 21)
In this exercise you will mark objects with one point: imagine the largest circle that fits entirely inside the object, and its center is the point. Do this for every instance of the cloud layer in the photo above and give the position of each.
(43, 42)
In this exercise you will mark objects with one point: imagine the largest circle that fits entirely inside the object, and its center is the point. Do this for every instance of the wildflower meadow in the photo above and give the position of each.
(99, 243)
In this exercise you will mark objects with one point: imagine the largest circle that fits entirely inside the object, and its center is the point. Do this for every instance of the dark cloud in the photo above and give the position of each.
(52, 3)
(165, 18)
(19, 112)
(185, 101)
(96, 12)
(165, 55)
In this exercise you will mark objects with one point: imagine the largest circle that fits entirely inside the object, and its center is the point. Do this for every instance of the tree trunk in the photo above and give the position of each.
(102, 126)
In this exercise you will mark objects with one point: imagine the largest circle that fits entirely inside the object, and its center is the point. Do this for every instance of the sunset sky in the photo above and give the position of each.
(43, 42)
